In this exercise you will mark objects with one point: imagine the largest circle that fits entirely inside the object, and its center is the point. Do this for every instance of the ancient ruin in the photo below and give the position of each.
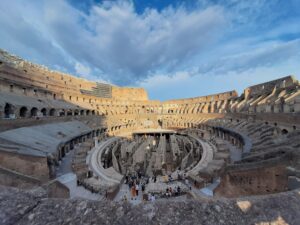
(224, 158)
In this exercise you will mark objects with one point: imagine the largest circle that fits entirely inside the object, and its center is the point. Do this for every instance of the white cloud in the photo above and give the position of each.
(82, 70)
(173, 52)
(128, 46)
(187, 84)
(257, 54)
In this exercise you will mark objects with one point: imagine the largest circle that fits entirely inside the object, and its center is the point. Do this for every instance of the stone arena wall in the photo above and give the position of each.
(14, 179)
(55, 189)
(264, 179)
(32, 95)
(25, 164)
(29, 75)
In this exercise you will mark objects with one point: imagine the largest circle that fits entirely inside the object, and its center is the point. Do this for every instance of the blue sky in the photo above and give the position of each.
(174, 49)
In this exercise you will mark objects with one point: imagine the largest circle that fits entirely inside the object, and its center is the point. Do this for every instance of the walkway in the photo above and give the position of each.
(65, 164)
(77, 192)
(207, 156)
(124, 190)
(109, 175)
(67, 177)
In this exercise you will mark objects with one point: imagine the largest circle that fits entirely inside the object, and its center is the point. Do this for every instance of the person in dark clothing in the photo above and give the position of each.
(178, 190)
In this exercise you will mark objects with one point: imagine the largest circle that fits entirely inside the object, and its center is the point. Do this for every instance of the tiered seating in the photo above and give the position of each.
(212, 161)
(266, 141)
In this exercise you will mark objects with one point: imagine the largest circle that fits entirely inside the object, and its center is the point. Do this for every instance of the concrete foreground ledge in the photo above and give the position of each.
(20, 207)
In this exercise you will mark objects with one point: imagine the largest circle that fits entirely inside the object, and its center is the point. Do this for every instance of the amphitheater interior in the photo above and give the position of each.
(70, 147)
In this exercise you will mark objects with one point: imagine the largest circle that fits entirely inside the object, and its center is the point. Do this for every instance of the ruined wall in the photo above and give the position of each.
(268, 87)
(21, 72)
(56, 189)
(126, 93)
(14, 179)
(25, 164)
(253, 181)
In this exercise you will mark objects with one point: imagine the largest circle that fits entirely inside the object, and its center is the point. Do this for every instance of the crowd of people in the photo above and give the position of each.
(173, 192)
(136, 184)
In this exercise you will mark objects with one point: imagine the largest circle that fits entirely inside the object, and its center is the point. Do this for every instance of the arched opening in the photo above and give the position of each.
(93, 112)
(44, 111)
(63, 152)
(69, 113)
(81, 112)
(62, 113)
(8, 111)
(33, 112)
(294, 127)
(209, 109)
(23, 112)
(76, 112)
(160, 123)
(87, 112)
(284, 132)
(52, 112)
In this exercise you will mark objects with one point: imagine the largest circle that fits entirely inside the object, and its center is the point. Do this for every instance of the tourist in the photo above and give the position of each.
(179, 176)
(178, 190)
(137, 189)
(152, 198)
(130, 184)
(170, 178)
(187, 182)
(167, 192)
(133, 191)
(170, 191)
(143, 187)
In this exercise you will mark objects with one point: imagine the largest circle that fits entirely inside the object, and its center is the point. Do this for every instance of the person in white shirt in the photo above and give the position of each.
(137, 189)
(152, 198)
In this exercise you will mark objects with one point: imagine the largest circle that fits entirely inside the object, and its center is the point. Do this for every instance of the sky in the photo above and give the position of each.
(172, 48)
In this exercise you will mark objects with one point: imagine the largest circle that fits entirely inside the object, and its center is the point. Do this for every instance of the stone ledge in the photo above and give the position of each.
(20, 207)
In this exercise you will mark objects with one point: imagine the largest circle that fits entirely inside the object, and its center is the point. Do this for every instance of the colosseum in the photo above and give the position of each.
(73, 151)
